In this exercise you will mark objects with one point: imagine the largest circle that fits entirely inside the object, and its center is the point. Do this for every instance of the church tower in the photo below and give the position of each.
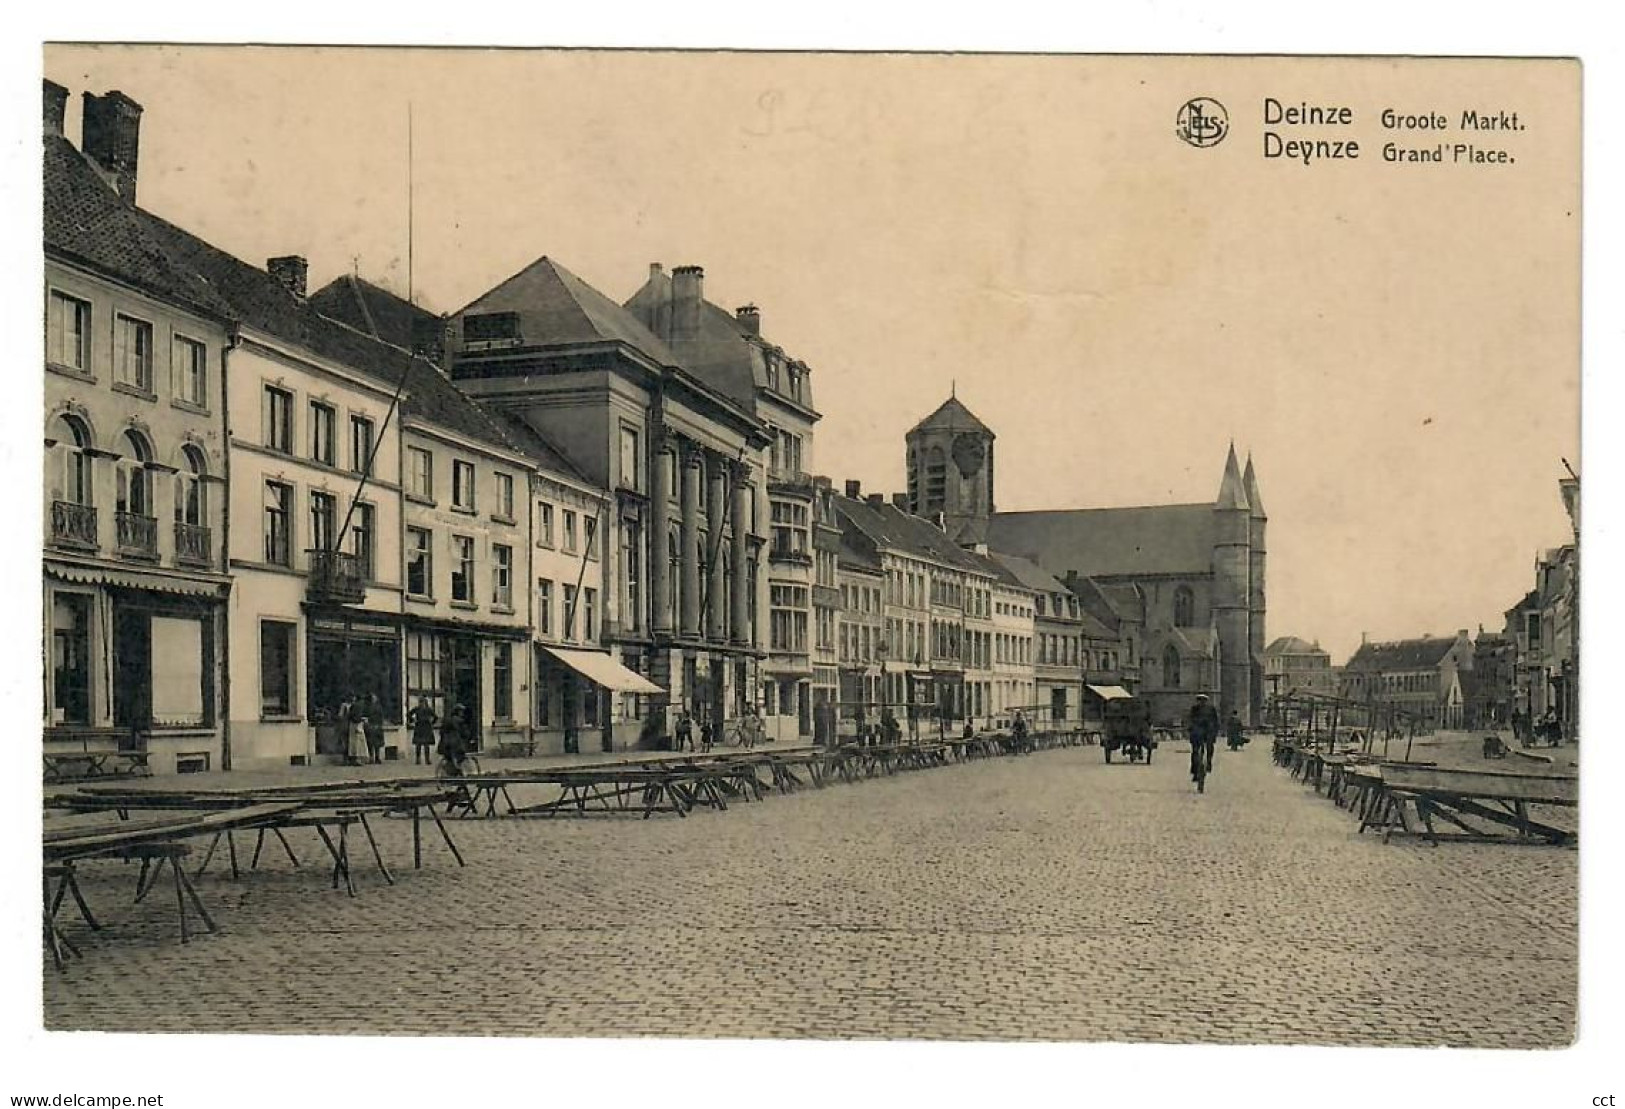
(950, 471)
(1232, 571)
(1255, 587)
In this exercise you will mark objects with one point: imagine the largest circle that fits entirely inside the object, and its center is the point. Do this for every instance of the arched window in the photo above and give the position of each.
(1184, 607)
(936, 480)
(73, 440)
(190, 507)
(1170, 667)
(134, 481)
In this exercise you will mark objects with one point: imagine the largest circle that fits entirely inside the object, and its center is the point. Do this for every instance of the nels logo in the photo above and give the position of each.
(1202, 122)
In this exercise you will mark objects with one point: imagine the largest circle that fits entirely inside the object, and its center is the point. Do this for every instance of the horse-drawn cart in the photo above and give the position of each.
(1127, 729)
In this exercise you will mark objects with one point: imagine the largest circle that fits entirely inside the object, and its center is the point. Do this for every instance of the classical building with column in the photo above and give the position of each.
(728, 353)
(685, 596)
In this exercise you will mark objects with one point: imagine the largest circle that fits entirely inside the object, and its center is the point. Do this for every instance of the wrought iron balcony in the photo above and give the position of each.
(782, 551)
(781, 480)
(192, 544)
(137, 535)
(336, 577)
(73, 524)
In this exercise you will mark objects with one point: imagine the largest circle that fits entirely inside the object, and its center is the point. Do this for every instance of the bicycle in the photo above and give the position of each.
(452, 774)
(1201, 763)
(737, 733)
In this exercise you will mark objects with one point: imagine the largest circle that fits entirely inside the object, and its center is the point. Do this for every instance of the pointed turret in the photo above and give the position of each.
(1256, 616)
(1249, 486)
(1232, 581)
(1232, 493)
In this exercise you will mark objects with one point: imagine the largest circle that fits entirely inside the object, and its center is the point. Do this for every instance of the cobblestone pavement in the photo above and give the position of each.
(1045, 897)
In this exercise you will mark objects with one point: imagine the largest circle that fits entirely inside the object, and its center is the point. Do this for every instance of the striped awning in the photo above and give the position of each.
(1109, 692)
(119, 578)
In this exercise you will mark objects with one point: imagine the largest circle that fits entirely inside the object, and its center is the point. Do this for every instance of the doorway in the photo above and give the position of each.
(465, 686)
(132, 667)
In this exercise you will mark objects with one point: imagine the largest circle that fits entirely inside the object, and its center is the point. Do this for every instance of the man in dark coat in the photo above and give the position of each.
(1204, 732)
(1233, 731)
(423, 719)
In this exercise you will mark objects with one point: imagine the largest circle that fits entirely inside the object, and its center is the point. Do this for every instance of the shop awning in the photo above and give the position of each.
(597, 667)
(1109, 692)
(136, 579)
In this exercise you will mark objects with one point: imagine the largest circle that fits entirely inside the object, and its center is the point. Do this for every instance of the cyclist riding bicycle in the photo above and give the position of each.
(1204, 733)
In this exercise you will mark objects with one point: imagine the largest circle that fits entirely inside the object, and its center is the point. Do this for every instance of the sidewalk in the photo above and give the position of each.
(397, 770)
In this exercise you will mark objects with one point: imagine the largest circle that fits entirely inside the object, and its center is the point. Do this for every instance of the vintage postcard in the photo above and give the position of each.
(796, 546)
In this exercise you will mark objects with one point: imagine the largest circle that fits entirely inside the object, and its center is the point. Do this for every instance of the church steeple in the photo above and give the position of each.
(1249, 485)
(950, 470)
(1232, 491)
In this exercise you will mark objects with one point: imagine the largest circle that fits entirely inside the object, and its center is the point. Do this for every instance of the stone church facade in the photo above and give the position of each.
(1195, 571)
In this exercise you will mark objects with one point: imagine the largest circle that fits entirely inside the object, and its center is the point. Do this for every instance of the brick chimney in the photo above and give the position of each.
(876, 500)
(750, 318)
(900, 500)
(289, 270)
(687, 291)
(56, 107)
(112, 138)
(854, 489)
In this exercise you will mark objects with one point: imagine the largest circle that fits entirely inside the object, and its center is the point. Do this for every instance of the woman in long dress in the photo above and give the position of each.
(357, 724)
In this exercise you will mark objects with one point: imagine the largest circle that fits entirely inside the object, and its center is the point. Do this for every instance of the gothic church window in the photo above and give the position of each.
(1170, 667)
(1184, 607)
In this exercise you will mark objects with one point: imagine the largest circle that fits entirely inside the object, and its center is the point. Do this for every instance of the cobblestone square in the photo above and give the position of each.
(1050, 897)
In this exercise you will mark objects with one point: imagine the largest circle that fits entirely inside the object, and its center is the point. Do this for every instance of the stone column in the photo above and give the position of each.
(689, 554)
(740, 554)
(716, 550)
(659, 529)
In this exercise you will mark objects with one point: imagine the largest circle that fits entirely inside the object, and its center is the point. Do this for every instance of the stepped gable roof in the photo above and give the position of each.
(557, 307)
(371, 309)
(1094, 603)
(86, 222)
(951, 415)
(1404, 654)
(1110, 542)
(1232, 494)
(1249, 487)
(1291, 645)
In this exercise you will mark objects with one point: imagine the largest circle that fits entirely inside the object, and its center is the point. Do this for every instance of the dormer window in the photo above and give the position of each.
(488, 329)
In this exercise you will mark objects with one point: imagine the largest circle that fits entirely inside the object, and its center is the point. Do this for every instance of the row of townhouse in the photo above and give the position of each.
(563, 516)
(256, 512)
(1538, 676)
(556, 512)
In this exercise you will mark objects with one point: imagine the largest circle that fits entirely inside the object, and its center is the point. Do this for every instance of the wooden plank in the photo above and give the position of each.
(1550, 789)
(114, 836)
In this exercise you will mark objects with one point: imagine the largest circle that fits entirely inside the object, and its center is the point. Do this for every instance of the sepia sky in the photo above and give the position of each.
(1398, 346)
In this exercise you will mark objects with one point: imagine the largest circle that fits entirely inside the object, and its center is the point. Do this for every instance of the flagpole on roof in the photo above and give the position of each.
(406, 366)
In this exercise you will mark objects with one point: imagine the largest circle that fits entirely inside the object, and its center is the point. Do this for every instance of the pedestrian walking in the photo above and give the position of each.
(452, 741)
(372, 728)
(355, 730)
(1204, 733)
(423, 719)
(1234, 736)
